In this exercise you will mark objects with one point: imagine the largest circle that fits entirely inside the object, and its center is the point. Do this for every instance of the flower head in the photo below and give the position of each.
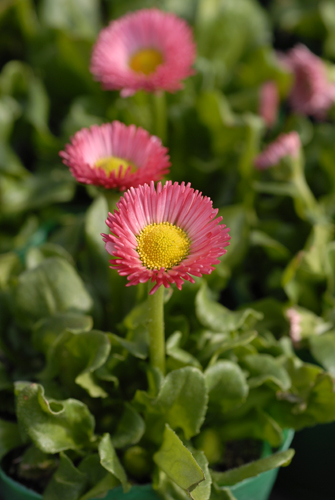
(284, 145)
(148, 49)
(268, 102)
(165, 235)
(312, 92)
(115, 156)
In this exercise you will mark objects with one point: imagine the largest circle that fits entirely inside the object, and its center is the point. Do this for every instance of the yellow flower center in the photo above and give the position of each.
(146, 61)
(114, 164)
(162, 245)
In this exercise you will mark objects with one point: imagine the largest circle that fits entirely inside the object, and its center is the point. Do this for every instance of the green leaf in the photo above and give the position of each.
(275, 249)
(173, 350)
(67, 482)
(183, 400)
(203, 490)
(47, 330)
(52, 425)
(76, 356)
(138, 347)
(110, 461)
(52, 287)
(227, 385)
(77, 17)
(9, 437)
(264, 368)
(99, 480)
(218, 318)
(130, 428)
(178, 462)
(323, 350)
(233, 476)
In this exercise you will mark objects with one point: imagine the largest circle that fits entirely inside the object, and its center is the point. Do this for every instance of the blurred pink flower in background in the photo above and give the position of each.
(285, 145)
(269, 102)
(148, 49)
(312, 92)
(116, 156)
(295, 324)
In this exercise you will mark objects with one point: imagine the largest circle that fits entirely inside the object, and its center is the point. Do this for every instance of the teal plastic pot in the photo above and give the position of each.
(255, 488)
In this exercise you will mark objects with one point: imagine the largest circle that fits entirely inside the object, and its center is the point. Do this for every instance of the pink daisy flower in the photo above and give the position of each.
(165, 236)
(312, 92)
(148, 49)
(285, 145)
(116, 156)
(269, 102)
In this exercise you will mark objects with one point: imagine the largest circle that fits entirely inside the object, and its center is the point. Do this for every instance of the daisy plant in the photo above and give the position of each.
(164, 237)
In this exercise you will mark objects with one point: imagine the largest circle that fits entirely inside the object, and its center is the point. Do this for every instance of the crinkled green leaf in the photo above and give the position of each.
(67, 482)
(178, 462)
(76, 356)
(52, 287)
(52, 425)
(227, 385)
(264, 368)
(182, 400)
(109, 460)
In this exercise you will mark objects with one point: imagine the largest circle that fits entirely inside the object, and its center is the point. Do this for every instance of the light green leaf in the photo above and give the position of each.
(323, 350)
(264, 368)
(52, 287)
(182, 400)
(227, 385)
(203, 490)
(252, 469)
(52, 425)
(178, 462)
(110, 461)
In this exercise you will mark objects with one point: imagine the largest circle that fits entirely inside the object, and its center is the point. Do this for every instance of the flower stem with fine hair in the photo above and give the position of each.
(155, 326)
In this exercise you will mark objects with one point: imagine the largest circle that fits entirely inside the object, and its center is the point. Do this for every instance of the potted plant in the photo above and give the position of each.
(160, 391)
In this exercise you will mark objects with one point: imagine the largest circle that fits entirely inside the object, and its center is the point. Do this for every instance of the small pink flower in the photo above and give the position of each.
(116, 156)
(312, 92)
(148, 49)
(165, 236)
(295, 324)
(268, 102)
(285, 145)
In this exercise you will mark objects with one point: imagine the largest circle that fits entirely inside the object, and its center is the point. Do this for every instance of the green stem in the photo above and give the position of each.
(156, 329)
(112, 197)
(160, 115)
